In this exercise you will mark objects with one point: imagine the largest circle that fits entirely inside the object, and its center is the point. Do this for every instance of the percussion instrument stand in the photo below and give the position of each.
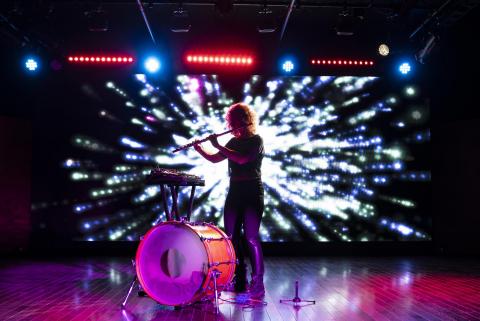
(173, 214)
(130, 289)
(215, 274)
(296, 300)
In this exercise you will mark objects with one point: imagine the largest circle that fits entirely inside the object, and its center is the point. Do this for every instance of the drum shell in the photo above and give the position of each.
(218, 252)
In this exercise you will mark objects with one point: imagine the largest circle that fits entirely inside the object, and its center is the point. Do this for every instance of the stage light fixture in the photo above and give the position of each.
(345, 23)
(216, 59)
(31, 64)
(342, 62)
(410, 91)
(152, 64)
(180, 21)
(405, 68)
(288, 66)
(267, 22)
(383, 50)
(98, 60)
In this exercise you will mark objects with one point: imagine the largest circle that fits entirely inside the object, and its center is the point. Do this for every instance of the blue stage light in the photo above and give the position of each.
(152, 64)
(288, 66)
(404, 68)
(31, 64)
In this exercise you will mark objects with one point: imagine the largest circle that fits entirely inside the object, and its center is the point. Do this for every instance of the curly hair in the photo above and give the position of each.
(244, 114)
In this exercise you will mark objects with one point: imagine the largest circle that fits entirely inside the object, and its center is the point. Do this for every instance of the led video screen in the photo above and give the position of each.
(346, 158)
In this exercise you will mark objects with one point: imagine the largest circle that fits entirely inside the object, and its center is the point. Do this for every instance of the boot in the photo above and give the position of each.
(239, 282)
(256, 289)
(254, 247)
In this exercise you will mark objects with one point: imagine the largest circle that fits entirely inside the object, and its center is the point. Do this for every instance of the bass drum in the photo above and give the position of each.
(175, 261)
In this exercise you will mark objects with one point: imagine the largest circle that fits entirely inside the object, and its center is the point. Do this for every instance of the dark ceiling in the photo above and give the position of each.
(64, 24)
(59, 27)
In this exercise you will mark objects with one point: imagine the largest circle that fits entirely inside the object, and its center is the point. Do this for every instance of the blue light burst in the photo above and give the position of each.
(32, 64)
(404, 68)
(288, 66)
(152, 65)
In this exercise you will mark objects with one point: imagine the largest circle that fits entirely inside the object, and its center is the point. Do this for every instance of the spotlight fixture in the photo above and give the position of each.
(405, 68)
(288, 66)
(266, 21)
(342, 62)
(422, 54)
(180, 21)
(227, 60)
(410, 91)
(95, 59)
(31, 64)
(383, 50)
(345, 23)
(97, 20)
(152, 65)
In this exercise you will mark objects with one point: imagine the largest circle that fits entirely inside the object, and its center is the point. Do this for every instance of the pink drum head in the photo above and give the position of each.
(171, 263)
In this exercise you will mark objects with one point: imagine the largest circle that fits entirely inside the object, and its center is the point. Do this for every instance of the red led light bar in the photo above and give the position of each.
(342, 62)
(230, 60)
(90, 59)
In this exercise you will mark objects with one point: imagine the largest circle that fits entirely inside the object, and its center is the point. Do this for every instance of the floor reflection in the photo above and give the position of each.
(344, 289)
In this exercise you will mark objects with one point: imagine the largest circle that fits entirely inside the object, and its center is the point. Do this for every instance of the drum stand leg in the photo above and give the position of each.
(129, 291)
(132, 285)
(215, 275)
(296, 300)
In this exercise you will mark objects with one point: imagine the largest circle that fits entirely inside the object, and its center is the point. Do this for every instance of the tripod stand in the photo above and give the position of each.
(296, 300)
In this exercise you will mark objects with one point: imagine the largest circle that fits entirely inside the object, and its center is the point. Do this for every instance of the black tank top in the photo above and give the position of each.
(251, 169)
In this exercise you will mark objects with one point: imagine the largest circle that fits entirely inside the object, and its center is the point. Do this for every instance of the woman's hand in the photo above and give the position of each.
(197, 146)
(214, 141)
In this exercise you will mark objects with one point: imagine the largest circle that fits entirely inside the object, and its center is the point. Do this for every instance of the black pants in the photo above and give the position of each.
(244, 210)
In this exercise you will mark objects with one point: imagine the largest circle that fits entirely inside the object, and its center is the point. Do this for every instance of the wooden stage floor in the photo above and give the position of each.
(350, 289)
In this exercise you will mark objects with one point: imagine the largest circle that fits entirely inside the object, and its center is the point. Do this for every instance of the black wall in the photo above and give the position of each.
(15, 178)
(455, 111)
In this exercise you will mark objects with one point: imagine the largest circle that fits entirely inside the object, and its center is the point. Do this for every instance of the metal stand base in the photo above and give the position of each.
(132, 285)
(129, 292)
(215, 275)
(296, 300)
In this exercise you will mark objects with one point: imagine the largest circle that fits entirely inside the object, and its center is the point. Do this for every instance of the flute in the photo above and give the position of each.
(207, 138)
